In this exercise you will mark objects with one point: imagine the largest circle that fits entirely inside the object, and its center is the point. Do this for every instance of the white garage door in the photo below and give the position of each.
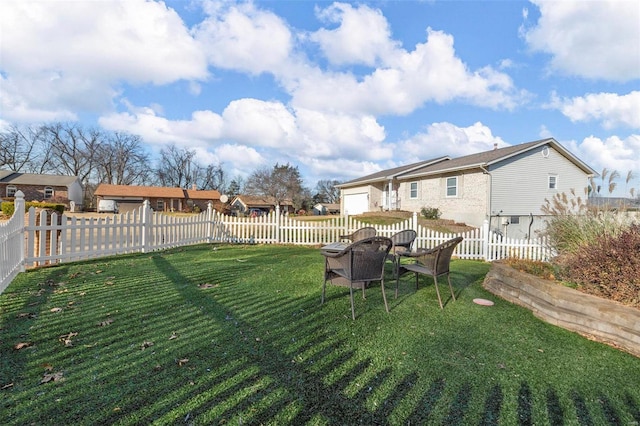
(356, 203)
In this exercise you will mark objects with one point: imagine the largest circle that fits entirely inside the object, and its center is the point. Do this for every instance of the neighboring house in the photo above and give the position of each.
(247, 204)
(161, 198)
(321, 209)
(42, 187)
(615, 203)
(506, 186)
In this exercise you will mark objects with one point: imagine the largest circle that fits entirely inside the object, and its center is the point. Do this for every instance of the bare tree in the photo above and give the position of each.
(212, 177)
(72, 149)
(122, 160)
(281, 183)
(326, 191)
(176, 167)
(21, 149)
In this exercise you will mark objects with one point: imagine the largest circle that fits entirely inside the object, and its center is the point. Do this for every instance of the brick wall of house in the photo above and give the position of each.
(36, 192)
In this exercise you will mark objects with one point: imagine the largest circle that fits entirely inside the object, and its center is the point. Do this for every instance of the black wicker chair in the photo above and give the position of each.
(434, 262)
(360, 234)
(359, 263)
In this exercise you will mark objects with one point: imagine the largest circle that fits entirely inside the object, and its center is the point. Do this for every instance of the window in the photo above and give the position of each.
(413, 190)
(452, 187)
(514, 220)
(553, 182)
(160, 205)
(48, 192)
(11, 190)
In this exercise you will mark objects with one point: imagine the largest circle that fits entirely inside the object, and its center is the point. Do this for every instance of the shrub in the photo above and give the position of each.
(608, 267)
(431, 212)
(8, 207)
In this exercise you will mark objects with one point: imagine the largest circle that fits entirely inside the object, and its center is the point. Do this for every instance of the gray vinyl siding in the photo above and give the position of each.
(519, 185)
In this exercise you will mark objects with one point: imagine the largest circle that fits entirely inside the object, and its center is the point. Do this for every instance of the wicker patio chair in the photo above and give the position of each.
(402, 241)
(434, 262)
(358, 264)
(360, 234)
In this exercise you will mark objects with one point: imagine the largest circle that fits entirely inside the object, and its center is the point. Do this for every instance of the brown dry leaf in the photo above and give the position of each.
(108, 283)
(55, 310)
(66, 339)
(29, 315)
(146, 344)
(47, 367)
(182, 361)
(173, 336)
(98, 272)
(53, 377)
(105, 322)
(7, 386)
(207, 285)
(22, 345)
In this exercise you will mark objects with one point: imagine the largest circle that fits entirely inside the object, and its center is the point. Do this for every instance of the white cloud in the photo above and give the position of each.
(259, 123)
(202, 128)
(592, 39)
(70, 56)
(363, 36)
(613, 153)
(442, 139)
(611, 109)
(430, 73)
(241, 37)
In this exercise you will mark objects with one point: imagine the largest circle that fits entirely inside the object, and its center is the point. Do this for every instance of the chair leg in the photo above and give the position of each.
(324, 286)
(435, 280)
(451, 288)
(353, 311)
(384, 295)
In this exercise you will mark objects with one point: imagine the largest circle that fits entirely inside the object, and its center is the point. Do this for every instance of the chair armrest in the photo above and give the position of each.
(419, 253)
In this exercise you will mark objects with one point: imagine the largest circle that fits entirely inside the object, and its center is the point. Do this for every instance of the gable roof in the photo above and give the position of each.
(109, 190)
(488, 158)
(385, 175)
(17, 178)
(481, 159)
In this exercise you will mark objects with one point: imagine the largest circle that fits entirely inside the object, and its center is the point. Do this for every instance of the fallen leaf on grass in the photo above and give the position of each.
(173, 336)
(21, 345)
(207, 285)
(7, 386)
(29, 315)
(55, 310)
(182, 361)
(53, 377)
(66, 339)
(105, 322)
(146, 344)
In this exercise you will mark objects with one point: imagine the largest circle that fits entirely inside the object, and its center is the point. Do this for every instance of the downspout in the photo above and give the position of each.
(489, 187)
(389, 196)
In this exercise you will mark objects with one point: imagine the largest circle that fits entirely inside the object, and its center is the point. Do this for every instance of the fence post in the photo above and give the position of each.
(278, 224)
(146, 226)
(18, 209)
(485, 240)
(209, 222)
(414, 222)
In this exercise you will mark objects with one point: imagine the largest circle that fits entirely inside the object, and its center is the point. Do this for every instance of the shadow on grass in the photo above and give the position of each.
(249, 355)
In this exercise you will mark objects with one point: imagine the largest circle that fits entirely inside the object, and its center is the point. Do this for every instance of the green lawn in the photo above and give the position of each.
(236, 335)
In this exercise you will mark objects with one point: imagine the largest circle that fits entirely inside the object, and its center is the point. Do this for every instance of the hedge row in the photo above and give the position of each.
(8, 207)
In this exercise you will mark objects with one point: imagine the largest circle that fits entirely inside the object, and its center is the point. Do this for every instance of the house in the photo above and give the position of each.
(321, 209)
(42, 187)
(161, 198)
(506, 186)
(252, 204)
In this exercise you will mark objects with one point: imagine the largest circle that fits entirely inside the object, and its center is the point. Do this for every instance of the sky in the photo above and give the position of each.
(338, 89)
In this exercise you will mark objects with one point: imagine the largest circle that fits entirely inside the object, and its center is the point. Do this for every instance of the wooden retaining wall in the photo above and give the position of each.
(603, 320)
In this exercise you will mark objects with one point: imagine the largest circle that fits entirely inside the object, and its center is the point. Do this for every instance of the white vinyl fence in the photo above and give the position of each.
(46, 237)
